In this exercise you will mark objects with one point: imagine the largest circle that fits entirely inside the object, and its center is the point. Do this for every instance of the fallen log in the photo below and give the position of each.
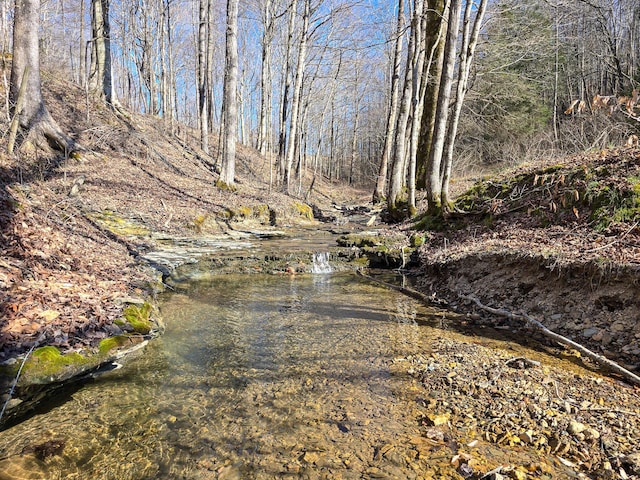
(432, 300)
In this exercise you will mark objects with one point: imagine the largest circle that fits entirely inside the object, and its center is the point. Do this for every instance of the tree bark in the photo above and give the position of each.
(100, 79)
(284, 102)
(203, 90)
(417, 102)
(381, 181)
(435, 31)
(397, 180)
(434, 184)
(35, 120)
(297, 92)
(265, 79)
(227, 174)
(469, 43)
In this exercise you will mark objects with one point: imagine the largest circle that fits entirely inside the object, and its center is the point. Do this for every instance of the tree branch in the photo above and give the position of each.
(537, 325)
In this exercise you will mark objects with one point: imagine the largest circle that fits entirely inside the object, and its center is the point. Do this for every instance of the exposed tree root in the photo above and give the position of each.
(45, 134)
(529, 320)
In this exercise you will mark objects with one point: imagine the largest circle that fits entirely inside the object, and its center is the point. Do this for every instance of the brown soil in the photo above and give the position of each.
(574, 266)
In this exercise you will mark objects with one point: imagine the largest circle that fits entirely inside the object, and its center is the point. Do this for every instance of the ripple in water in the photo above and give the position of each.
(256, 377)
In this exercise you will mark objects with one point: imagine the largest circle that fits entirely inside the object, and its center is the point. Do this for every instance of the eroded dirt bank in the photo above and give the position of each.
(597, 308)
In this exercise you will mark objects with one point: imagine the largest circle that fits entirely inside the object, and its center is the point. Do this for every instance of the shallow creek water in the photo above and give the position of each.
(257, 376)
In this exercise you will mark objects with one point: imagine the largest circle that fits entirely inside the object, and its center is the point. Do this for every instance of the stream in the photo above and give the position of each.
(257, 376)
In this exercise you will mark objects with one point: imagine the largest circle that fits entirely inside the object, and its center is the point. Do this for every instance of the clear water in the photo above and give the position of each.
(256, 377)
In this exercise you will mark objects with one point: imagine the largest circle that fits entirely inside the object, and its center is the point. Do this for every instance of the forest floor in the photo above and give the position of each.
(559, 241)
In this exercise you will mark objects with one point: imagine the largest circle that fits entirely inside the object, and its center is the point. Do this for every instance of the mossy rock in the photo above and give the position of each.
(416, 240)
(359, 240)
(112, 343)
(46, 364)
(118, 225)
(261, 213)
(304, 210)
(139, 317)
(199, 221)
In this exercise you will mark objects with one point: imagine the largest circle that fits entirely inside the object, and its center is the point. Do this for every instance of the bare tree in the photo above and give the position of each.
(203, 90)
(227, 174)
(381, 182)
(434, 183)
(34, 118)
(297, 91)
(467, 50)
(435, 31)
(100, 79)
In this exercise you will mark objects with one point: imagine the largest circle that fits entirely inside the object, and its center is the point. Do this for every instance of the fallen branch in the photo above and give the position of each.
(529, 320)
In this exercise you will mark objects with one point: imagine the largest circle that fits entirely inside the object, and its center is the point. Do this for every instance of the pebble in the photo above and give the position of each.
(576, 427)
(632, 461)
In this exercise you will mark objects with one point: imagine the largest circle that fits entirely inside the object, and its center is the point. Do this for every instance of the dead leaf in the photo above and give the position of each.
(49, 315)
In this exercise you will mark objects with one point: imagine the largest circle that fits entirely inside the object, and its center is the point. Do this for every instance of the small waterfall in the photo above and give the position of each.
(321, 263)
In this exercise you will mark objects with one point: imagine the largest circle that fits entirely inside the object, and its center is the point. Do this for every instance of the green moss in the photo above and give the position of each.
(304, 210)
(225, 186)
(358, 240)
(111, 343)
(416, 240)
(245, 212)
(139, 317)
(552, 168)
(262, 213)
(361, 261)
(429, 222)
(117, 224)
(48, 361)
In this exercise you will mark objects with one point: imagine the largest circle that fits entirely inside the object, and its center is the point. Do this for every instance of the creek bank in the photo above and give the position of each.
(596, 307)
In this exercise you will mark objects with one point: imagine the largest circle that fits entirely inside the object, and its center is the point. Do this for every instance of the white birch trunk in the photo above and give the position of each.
(295, 101)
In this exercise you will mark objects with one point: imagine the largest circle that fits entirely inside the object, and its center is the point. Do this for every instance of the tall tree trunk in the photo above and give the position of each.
(211, 52)
(227, 174)
(284, 105)
(82, 57)
(203, 90)
(356, 119)
(34, 118)
(417, 102)
(171, 93)
(265, 79)
(100, 81)
(469, 43)
(381, 181)
(435, 31)
(434, 184)
(398, 173)
(297, 92)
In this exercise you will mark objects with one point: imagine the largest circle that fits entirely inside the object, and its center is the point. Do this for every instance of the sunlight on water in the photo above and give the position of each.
(256, 377)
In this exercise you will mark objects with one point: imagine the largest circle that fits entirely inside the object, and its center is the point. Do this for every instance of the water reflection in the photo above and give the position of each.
(256, 377)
